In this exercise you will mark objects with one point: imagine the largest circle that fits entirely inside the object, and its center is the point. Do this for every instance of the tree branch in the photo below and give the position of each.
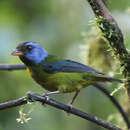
(13, 103)
(112, 33)
(109, 27)
(12, 67)
(58, 105)
(115, 102)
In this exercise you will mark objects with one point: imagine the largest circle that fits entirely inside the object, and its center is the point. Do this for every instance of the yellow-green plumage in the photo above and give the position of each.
(54, 73)
(63, 81)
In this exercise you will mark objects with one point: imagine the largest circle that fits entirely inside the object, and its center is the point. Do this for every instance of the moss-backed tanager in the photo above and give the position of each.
(55, 74)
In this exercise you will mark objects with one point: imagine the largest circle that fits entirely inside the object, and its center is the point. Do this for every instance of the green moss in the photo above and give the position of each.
(109, 30)
(113, 36)
(99, 49)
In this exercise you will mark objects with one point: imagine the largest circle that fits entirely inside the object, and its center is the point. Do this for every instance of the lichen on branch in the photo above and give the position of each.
(112, 33)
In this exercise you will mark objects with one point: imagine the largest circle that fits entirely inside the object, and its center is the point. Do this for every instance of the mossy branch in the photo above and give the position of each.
(112, 33)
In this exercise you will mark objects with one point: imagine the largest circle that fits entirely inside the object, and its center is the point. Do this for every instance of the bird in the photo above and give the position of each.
(55, 74)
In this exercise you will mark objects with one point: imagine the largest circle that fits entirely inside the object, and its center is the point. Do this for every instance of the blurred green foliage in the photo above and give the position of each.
(57, 26)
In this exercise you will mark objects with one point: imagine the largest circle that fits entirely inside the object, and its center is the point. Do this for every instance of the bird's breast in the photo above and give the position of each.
(42, 78)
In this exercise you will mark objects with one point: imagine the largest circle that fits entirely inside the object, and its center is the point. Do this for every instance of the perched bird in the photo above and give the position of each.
(55, 74)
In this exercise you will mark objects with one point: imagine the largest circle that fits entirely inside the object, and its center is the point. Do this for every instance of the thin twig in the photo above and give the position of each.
(58, 105)
(12, 67)
(115, 102)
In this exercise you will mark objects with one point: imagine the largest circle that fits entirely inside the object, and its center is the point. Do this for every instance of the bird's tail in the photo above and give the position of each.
(108, 79)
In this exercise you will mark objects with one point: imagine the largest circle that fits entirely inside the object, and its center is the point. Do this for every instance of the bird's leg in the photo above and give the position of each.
(72, 101)
(46, 95)
(51, 93)
(74, 97)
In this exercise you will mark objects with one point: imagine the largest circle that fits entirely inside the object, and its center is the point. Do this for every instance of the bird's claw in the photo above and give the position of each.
(69, 108)
(46, 99)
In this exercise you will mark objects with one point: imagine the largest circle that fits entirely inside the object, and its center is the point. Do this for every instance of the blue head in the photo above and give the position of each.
(30, 53)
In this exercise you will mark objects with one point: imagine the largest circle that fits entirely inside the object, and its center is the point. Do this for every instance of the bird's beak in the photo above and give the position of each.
(17, 53)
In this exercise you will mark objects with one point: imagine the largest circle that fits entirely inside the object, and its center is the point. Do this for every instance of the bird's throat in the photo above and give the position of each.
(26, 61)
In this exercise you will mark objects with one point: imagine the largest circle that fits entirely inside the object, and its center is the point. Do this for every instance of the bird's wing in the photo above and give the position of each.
(67, 66)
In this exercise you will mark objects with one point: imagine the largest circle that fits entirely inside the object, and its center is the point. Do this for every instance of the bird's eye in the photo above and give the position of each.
(29, 47)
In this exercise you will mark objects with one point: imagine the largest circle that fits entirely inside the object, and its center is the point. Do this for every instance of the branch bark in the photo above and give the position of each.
(112, 33)
(58, 105)
(109, 27)
(12, 67)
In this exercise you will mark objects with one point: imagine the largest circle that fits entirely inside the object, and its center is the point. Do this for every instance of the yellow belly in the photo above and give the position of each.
(29, 71)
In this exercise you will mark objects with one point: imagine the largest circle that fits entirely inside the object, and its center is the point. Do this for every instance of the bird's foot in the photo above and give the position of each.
(70, 106)
(48, 94)
(46, 99)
